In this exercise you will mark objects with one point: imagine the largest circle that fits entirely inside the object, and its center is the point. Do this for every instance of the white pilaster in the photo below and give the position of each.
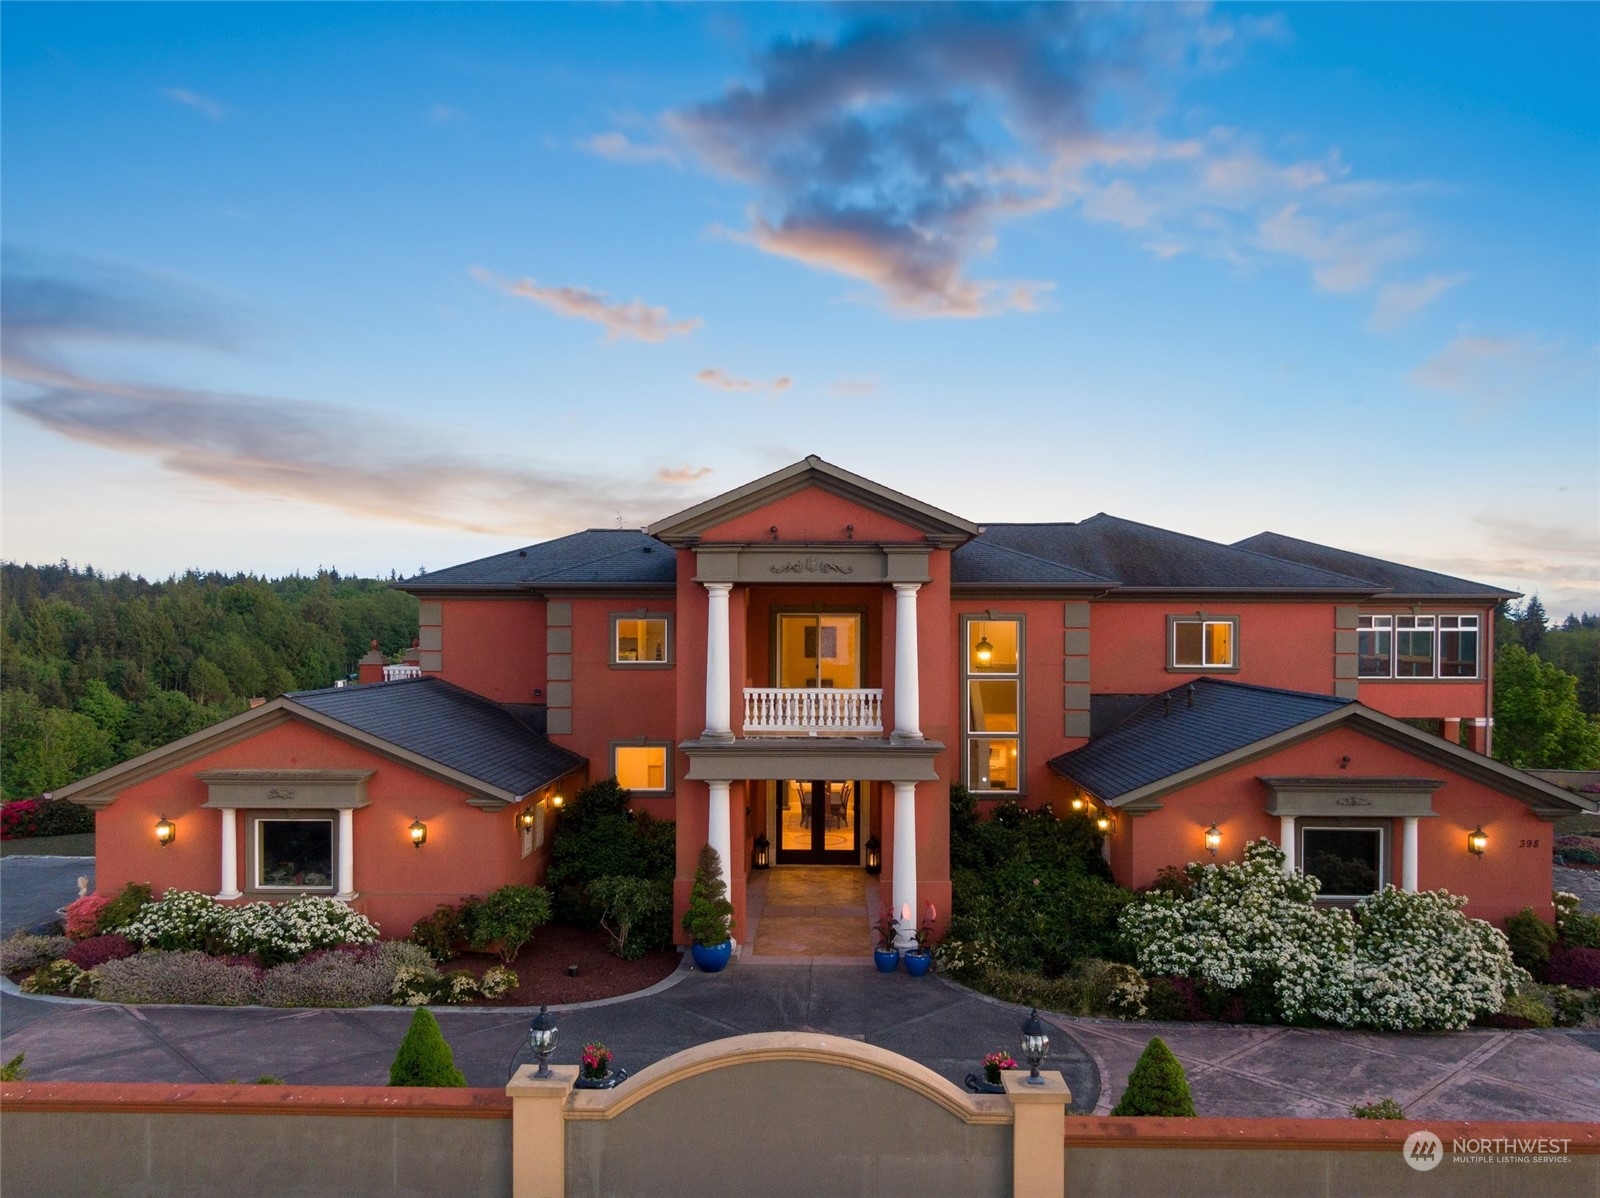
(1408, 855)
(719, 833)
(907, 691)
(347, 854)
(230, 854)
(719, 698)
(1286, 842)
(904, 887)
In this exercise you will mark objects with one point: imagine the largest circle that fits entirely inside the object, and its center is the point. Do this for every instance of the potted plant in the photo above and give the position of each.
(709, 919)
(886, 956)
(992, 1065)
(920, 959)
(594, 1068)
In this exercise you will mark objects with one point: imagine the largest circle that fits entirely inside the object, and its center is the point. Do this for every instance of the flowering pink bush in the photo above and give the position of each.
(83, 915)
(19, 819)
(97, 950)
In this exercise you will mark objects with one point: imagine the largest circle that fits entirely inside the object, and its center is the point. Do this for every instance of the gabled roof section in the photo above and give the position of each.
(1170, 742)
(984, 563)
(425, 723)
(450, 726)
(606, 557)
(1404, 582)
(938, 525)
(1143, 558)
(1185, 727)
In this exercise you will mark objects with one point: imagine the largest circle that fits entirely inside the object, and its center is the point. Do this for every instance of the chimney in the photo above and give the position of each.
(370, 667)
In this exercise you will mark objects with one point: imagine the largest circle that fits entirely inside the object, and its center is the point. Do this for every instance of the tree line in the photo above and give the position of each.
(1546, 688)
(96, 669)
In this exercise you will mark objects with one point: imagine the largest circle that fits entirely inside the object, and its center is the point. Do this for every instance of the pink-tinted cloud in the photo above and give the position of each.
(715, 376)
(619, 147)
(634, 319)
(683, 475)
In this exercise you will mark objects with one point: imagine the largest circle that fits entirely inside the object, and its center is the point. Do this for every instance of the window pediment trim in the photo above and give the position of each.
(323, 790)
(1355, 797)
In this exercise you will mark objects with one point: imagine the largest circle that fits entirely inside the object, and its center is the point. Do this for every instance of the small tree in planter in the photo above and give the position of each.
(709, 918)
(424, 1058)
(509, 915)
(1157, 1085)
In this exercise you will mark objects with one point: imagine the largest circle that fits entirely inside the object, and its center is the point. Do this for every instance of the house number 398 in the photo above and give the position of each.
(1528, 844)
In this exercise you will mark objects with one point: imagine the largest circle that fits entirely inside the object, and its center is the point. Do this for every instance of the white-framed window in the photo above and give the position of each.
(1202, 642)
(1350, 860)
(641, 640)
(643, 769)
(1417, 646)
(293, 852)
(992, 685)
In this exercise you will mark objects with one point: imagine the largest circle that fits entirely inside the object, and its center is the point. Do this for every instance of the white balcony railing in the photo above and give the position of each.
(396, 673)
(797, 711)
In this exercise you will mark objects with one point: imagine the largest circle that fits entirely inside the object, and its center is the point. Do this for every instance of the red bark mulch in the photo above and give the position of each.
(542, 968)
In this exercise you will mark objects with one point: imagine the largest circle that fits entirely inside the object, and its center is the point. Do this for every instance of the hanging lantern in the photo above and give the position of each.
(983, 651)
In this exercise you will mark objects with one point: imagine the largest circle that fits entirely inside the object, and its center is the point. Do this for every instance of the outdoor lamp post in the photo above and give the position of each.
(542, 1039)
(166, 831)
(1477, 841)
(419, 833)
(1213, 839)
(1035, 1046)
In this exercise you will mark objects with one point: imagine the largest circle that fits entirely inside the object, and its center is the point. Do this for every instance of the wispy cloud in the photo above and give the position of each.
(851, 386)
(330, 454)
(204, 105)
(634, 319)
(1399, 302)
(723, 381)
(619, 147)
(443, 114)
(683, 475)
(1487, 370)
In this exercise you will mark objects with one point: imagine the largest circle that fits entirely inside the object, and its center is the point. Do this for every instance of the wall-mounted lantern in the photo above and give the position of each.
(1077, 802)
(1105, 821)
(558, 800)
(1213, 839)
(166, 831)
(763, 853)
(419, 833)
(526, 818)
(1477, 841)
(874, 856)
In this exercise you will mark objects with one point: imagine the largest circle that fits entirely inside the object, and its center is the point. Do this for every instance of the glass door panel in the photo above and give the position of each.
(819, 650)
(818, 822)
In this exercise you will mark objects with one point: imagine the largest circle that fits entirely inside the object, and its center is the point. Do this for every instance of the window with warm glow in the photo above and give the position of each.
(640, 767)
(992, 672)
(1201, 644)
(640, 640)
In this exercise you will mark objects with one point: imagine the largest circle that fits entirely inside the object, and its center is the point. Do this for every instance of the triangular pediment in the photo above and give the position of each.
(931, 523)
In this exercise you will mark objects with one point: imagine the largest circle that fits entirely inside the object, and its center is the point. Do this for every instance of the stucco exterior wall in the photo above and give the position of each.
(494, 647)
(812, 515)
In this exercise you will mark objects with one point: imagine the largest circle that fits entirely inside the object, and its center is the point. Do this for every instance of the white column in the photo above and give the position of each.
(907, 691)
(347, 854)
(904, 887)
(719, 833)
(719, 701)
(230, 854)
(1286, 842)
(1408, 855)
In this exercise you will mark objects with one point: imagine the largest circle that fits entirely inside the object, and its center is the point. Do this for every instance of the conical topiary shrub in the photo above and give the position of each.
(709, 917)
(1157, 1085)
(424, 1058)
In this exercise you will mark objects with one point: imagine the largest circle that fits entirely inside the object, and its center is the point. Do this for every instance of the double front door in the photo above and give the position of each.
(819, 822)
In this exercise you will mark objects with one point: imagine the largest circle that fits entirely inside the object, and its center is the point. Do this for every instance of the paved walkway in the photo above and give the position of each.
(33, 889)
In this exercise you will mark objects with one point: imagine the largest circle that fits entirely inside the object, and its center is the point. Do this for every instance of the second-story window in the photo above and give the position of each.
(641, 640)
(1202, 643)
(1416, 646)
(992, 672)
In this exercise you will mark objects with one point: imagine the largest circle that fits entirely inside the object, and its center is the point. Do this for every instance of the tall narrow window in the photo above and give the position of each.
(993, 677)
(1458, 646)
(1413, 646)
(1375, 646)
(1202, 644)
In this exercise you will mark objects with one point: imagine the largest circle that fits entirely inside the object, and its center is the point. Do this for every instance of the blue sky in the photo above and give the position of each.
(388, 286)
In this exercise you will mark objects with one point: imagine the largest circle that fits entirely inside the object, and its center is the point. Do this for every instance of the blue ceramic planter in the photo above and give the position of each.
(713, 959)
(886, 959)
(918, 964)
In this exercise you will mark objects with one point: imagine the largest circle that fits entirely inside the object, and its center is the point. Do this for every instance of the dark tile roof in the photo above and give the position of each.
(1107, 711)
(1141, 556)
(1400, 579)
(987, 561)
(448, 725)
(1167, 735)
(598, 556)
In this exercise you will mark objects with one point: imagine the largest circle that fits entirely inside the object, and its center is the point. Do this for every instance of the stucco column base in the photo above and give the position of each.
(1038, 1159)
(539, 1131)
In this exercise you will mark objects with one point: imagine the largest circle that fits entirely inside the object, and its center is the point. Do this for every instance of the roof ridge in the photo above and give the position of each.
(604, 557)
(1283, 561)
(1256, 686)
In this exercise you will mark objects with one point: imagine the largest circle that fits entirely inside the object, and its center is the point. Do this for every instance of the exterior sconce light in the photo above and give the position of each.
(874, 856)
(558, 801)
(542, 1039)
(419, 833)
(525, 819)
(1035, 1046)
(1477, 841)
(1213, 839)
(166, 831)
(1105, 823)
(763, 849)
(983, 651)
(1077, 802)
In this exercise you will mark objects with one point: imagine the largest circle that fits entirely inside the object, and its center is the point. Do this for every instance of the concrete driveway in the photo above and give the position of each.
(33, 889)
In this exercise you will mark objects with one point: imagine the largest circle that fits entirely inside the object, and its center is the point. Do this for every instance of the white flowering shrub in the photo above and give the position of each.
(414, 985)
(1399, 961)
(498, 981)
(186, 921)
